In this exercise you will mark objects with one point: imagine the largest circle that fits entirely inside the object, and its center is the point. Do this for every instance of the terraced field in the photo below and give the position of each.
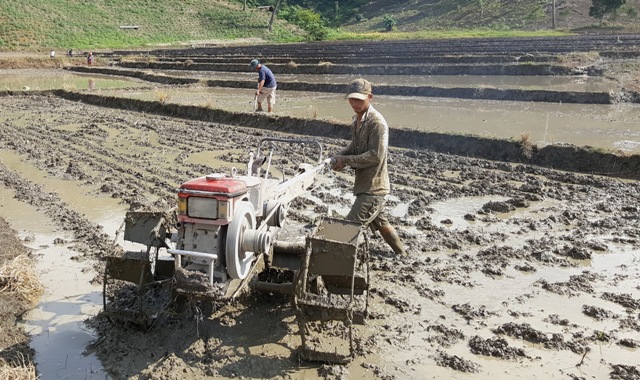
(516, 269)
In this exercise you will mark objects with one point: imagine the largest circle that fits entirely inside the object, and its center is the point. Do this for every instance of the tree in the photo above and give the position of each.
(600, 8)
(311, 22)
(553, 14)
(273, 14)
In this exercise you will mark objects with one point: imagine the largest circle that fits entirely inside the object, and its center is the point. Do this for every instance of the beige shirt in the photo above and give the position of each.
(367, 153)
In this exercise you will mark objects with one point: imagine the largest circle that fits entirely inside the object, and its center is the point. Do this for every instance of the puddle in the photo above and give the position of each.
(15, 80)
(210, 158)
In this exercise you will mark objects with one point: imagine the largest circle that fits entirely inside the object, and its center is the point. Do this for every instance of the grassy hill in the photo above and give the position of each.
(83, 24)
(95, 24)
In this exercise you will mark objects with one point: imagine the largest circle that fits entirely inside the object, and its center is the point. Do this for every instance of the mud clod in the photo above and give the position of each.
(629, 343)
(497, 347)
(334, 372)
(469, 313)
(624, 372)
(624, 299)
(598, 312)
(497, 206)
(457, 363)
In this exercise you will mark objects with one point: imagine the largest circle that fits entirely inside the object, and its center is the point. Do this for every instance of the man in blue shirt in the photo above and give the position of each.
(266, 85)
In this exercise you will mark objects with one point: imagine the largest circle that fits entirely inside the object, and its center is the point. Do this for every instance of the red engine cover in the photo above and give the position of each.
(228, 187)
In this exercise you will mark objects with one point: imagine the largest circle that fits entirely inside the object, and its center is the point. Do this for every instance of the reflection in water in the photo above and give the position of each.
(61, 79)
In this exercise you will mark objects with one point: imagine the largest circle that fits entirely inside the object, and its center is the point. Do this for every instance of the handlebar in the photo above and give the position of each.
(293, 141)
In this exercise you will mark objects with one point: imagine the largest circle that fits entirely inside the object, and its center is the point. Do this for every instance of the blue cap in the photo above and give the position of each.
(254, 63)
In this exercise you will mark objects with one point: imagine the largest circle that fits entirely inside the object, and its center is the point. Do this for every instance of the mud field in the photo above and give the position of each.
(514, 270)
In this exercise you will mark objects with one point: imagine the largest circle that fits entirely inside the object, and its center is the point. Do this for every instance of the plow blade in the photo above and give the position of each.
(148, 228)
(132, 267)
(337, 254)
(135, 267)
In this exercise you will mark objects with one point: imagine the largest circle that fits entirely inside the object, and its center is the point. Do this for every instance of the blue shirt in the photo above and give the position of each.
(264, 74)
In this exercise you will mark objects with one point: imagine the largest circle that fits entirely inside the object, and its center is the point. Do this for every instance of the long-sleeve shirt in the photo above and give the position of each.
(367, 153)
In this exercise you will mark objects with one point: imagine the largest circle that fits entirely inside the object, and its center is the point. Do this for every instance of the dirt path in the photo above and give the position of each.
(513, 269)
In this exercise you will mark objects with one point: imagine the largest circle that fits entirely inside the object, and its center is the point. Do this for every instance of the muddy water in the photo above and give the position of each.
(509, 292)
(60, 79)
(56, 325)
(557, 83)
(604, 126)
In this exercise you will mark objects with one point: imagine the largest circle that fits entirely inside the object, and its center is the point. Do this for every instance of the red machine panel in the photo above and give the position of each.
(227, 186)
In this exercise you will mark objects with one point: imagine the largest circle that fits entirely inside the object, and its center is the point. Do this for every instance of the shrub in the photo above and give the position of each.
(389, 22)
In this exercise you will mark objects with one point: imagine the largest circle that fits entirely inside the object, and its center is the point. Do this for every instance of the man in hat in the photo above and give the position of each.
(367, 154)
(266, 85)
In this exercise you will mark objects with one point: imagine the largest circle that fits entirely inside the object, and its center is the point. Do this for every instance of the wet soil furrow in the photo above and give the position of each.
(65, 154)
(90, 241)
(571, 158)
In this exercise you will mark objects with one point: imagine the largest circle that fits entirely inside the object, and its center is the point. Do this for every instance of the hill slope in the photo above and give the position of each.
(414, 15)
(91, 24)
(75, 24)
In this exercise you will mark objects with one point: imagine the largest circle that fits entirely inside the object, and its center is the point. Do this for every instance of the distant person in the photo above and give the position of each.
(70, 53)
(367, 154)
(52, 54)
(90, 58)
(266, 85)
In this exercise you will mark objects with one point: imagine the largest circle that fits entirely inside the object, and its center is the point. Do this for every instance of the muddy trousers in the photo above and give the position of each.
(368, 210)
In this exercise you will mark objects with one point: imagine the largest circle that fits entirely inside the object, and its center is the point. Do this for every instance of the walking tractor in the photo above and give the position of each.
(224, 238)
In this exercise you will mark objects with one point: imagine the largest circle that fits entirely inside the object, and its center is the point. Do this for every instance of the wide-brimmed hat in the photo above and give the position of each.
(359, 89)
(254, 63)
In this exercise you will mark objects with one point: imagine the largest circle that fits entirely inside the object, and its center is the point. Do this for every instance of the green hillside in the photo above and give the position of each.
(95, 24)
(82, 24)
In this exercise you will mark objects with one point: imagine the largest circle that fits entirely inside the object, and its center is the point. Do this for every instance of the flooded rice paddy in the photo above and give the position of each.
(515, 271)
(598, 125)
(561, 83)
(604, 126)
